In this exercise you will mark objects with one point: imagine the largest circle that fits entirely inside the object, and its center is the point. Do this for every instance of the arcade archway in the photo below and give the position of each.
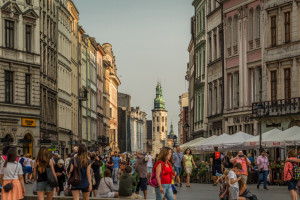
(27, 144)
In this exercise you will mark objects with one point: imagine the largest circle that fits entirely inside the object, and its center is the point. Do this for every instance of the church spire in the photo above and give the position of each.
(159, 102)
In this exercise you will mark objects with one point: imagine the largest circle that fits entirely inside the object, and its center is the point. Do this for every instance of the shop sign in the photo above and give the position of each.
(276, 143)
(25, 141)
(45, 141)
(252, 143)
(6, 140)
(52, 148)
(28, 122)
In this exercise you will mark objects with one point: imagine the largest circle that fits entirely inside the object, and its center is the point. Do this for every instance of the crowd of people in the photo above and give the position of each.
(125, 175)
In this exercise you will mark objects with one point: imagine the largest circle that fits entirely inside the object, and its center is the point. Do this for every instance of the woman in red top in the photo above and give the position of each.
(288, 175)
(164, 175)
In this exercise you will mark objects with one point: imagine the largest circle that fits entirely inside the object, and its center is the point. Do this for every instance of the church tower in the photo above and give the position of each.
(159, 122)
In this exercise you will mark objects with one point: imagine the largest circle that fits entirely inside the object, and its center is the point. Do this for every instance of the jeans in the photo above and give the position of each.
(263, 176)
(115, 174)
(168, 192)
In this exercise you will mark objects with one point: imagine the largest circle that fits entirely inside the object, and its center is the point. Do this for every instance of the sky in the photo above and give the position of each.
(150, 40)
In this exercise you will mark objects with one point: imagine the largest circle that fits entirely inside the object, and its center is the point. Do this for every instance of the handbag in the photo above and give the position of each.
(50, 177)
(153, 181)
(9, 186)
(75, 178)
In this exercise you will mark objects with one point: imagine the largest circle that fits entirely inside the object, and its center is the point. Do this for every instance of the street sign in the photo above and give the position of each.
(28, 122)
(45, 141)
(6, 139)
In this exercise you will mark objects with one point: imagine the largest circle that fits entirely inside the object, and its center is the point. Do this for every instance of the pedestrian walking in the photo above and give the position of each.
(127, 184)
(96, 164)
(75, 150)
(107, 186)
(188, 163)
(132, 160)
(116, 161)
(123, 163)
(11, 172)
(141, 168)
(33, 163)
(67, 161)
(61, 175)
(216, 164)
(149, 165)
(233, 181)
(164, 174)
(263, 169)
(85, 185)
(227, 165)
(178, 156)
(244, 161)
(288, 173)
(109, 164)
(40, 174)
(28, 168)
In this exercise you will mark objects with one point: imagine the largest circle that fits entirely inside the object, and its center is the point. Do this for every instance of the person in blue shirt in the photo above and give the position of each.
(116, 160)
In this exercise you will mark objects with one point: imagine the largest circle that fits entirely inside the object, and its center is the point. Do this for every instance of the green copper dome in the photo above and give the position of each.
(159, 102)
(171, 131)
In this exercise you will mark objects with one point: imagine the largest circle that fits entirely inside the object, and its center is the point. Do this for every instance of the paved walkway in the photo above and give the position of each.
(209, 192)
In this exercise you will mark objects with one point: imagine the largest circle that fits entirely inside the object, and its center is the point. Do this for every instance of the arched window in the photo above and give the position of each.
(163, 129)
(209, 7)
(257, 22)
(229, 32)
(250, 24)
(235, 30)
(158, 129)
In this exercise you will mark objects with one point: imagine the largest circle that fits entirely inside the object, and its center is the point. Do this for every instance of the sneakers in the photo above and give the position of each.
(257, 187)
(176, 185)
(180, 184)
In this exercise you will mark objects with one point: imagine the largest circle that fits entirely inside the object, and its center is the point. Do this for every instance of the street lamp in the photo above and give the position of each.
(186, 130)
(259, 107)
(174, 141)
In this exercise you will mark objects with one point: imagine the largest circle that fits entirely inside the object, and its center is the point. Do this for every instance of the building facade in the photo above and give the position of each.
(64, 75)
(214, 58)
(200, 80)
(183, 118)
(243, 61)
(149, 135)
(280, 72)
(159, 122)
(111, 84)
(20, 67)
(138, 129)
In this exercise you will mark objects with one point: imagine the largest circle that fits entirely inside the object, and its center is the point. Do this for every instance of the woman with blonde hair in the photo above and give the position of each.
(188, 163)
(40, 174)
(164, 175)
(85, 185)
(12, 173)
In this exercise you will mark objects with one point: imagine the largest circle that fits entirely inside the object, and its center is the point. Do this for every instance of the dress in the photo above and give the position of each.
(84, 183)
(96, 170)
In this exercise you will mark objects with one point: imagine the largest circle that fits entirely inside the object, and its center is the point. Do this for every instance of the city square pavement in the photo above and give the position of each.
(209, 192)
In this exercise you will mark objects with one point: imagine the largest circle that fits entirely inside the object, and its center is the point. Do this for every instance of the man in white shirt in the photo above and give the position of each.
(233, 181)
(149, 165)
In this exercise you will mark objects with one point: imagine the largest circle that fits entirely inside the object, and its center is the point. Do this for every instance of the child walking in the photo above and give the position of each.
(233, 181)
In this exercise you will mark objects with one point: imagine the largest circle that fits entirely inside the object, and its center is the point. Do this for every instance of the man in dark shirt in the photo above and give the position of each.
(215, 162)
(141, 168)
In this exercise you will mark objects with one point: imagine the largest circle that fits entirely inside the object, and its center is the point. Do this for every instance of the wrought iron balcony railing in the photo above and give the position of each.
(277, 107)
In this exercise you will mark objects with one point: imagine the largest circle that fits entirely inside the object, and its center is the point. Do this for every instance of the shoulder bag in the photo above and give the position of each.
(50, 177)
(75, 178)
(9, 186)
(153, 181)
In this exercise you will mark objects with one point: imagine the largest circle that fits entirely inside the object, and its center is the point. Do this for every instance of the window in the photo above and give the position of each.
(250, 25)
(273, 30)
(8, 86)
(215, 44)
(287, 83)
(256, 85)
(9, 34)
(273, 85)
(153, 119)
(216, 100)
(28, 37)
(157, 119)
(163, 119)
(210, 50)
(28, 2)
(27, 88)
(257, 22)
(158, 129)
(220, 43)
(163, 129)
(110, 111)
(153, 129)
(287, 27)
(235, 30)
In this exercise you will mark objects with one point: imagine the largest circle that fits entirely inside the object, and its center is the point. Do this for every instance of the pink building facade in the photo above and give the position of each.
(243, 61)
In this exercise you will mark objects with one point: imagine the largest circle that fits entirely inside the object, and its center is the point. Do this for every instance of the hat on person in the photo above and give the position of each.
(61, 161)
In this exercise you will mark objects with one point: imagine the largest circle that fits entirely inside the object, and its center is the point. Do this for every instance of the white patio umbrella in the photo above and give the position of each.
(198, 143)
(295, 138)
(208, 146)
(278, 140)
(254, 142)
(236, 141)
(190, 143)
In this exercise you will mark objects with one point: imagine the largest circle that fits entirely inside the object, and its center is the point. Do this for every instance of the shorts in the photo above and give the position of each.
(81, 189)
(149, 169)
(28, 170)
(188, 170)
(244, 178)
(142, 184)
(233, 193)
(178, 170)
(43, 187)
(292, 184)
(216, 169)
(108, 195)
(96, 186)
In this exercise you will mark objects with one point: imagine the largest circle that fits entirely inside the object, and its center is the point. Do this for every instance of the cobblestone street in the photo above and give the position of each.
(208, 192)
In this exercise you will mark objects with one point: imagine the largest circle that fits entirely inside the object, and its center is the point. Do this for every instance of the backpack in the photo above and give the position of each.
(75, 178)
(217, 155)
(296, 172)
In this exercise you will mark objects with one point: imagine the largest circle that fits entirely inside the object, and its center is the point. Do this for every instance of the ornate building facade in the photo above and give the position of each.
(183, 118)
(20, 68)
(159, 122)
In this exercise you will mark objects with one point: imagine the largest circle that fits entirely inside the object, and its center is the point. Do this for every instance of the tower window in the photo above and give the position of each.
(158, 129)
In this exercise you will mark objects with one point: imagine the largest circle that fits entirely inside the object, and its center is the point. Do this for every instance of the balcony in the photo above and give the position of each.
(277, 108)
